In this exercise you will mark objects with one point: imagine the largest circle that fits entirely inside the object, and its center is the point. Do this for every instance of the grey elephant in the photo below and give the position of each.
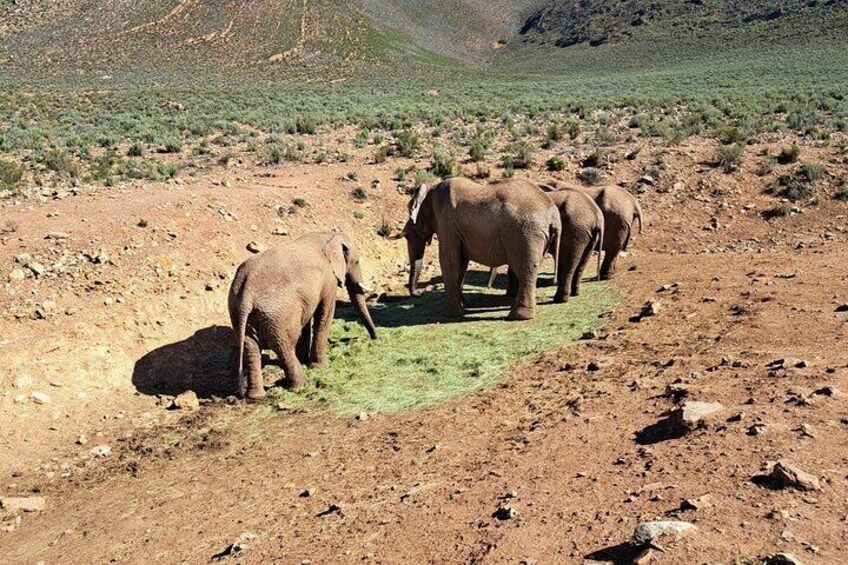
(510, 222)
(582, 233)
(278, 296)
(620, 209)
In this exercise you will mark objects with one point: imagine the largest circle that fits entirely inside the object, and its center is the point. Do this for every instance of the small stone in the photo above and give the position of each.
(757, 428)
(187, 401)
(786, 475)
(237, 547)
(505, 512)
(23, 504)
(693, 415)
(100, 451)
(40, 398)
(82, 440)
(362, 416)
(254, 247)
(830, 391)
(23, 381)
(17, 275)
(37, 268)
(782, 559)
(661, 532)
(20, 398)
(700, 503)
(650, 308)
(842, 308)
(57, 235)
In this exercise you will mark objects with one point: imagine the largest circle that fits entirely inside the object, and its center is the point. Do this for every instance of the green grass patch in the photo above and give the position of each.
(421, 360)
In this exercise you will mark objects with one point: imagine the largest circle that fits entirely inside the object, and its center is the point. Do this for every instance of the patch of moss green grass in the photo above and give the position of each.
(421, 360)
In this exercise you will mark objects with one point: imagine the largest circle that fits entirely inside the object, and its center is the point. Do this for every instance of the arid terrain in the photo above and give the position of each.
(556, 464)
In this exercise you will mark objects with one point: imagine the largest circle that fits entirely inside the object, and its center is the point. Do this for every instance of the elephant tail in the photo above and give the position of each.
(556, 237)
(599, 245)
(493, 274)
(637, 215)
(241, 330)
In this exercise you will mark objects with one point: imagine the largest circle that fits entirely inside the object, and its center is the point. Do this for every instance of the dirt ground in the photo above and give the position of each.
(135, 285)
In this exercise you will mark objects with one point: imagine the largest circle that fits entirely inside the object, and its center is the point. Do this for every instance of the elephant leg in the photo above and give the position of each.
(512, 284)
(568, 259)
(303, 344)
(250, 381)
(615, 236)
(322, 323)
(525, 300)
(582, 259)
(450, 257)
(295, 374)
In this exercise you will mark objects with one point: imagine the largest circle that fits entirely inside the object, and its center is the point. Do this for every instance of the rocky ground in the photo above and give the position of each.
(713, 395)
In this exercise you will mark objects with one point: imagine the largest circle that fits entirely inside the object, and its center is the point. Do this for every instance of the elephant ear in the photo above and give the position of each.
(417, 202)
(337, 251)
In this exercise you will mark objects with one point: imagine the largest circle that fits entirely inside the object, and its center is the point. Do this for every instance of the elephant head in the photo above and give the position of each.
(344, 260)
(418, 231)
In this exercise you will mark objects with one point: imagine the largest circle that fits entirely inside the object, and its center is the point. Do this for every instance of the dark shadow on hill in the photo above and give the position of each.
(621, 554)
(204, 362)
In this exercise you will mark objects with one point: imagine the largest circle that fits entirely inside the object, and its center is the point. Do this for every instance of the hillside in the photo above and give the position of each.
(186, 41)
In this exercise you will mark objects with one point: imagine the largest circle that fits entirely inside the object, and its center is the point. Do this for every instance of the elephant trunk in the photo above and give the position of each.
(415, 245)
(357, 298)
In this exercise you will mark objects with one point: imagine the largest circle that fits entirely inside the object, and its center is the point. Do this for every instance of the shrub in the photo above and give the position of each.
(637, 121)
(555, 164)
(135, 150)
(482, 172)
(172, 145)
(168, 170)
(59, 161)
(633, 154)
(811, 172)
(554, 133)
(300, 202)
(842, 193)
(729, 157)
(442, 164)
(731, 135)
(381, 154)
(385, 229)
(10, 175)
(793, 187)
(778, 211)
(304, 126)
(788, 155)
(596, 159)
(521, 157)
(359, 194)
(423, 177)
(400, 174)
(590, 176)
(477, 152)
(359, 214)
(572, 128)
(407, 143)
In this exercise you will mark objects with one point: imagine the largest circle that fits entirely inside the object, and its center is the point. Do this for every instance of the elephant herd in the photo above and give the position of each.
(284, 299)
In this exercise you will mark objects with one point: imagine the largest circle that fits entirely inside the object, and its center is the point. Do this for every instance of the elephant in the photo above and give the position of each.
(281, 294)
(620, 209)
(511, 222)
(582, 233)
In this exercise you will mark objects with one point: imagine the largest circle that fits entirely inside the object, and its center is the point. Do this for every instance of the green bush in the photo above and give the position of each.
(407, 143)
(423, 177)
(10, 175)
(555, 164)
(596, 159)
(305, 126)
(135, 150)
(381, 154)
(590, 176)
(300, 202)
(788, 155)
(59, 161)
(172, 145)
(442, 164)
(572, 128)
(521, 156)
(778, 211)
(359, 194)
(477, 152)
(811, 172)
(729, 157)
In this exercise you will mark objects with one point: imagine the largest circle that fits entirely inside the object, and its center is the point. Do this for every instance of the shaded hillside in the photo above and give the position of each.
(597, 22)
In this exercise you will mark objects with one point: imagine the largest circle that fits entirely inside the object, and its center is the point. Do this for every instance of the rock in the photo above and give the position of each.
(239, 545)
(40, 398)
(254, 247)
(786, 475)
(362, 416)
(100, 451)
(57, 235)
(82, 440)
(787, 363)
(20, 398)
(693, 415)
(650, 533)
(842, 308)
(828, 390)
(650, 308)
(782, 559)
(757, 428)
(17, 275)
(23, 381)
(505, 512)
(700, 503)
(37, 268)
(186, 401)
(23, 504)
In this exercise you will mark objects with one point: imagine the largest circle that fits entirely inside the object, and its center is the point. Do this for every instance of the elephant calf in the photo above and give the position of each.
(278, 296)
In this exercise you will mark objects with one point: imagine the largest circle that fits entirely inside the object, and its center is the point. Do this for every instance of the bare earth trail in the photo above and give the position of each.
(559, 441)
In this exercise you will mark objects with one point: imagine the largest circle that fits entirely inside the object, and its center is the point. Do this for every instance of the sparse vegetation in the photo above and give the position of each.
(555, 164)
(590, 176)
(729, 157)
(779, 211)
(10, 175)
(788, 155)
(442, 164)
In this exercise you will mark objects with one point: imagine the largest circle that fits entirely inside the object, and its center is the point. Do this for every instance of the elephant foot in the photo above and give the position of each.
(560, 298)
(454, 312)
(521, 313)
(607, 276)
(575, 292)
(255, 393)
(321, 364)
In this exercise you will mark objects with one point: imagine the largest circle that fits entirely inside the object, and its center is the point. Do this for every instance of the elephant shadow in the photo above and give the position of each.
(401, 310)
(203, 362)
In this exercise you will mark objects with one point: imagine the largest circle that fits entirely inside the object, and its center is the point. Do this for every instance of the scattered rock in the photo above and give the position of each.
(786, 475)
(186, 401)
(37, 268)
(57, 236)
(332, 509)
(100, 451)
(40, 398)
(805, 430)
(842, 308)
(650, 308)
(254, 247)
(239, 545)
(505, 512)
(781, 559)
(23, 381)
(362, 416)
(693, 415)
(830, 391)
(787, 363)
(757, 428)
(17, 275)
(23, 504)
(700, 503)
(657, 533)
(82, 440)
